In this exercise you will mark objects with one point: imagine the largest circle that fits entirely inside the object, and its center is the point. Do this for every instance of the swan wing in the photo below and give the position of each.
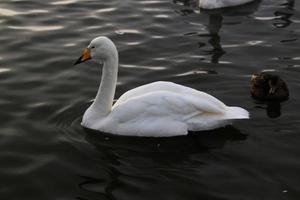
(165, 113)
(213, 4)
(169, 87)
(165, 104)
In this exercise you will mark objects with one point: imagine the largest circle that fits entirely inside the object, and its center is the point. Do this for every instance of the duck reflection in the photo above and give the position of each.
(216, 22)
(273, 108)
(284, 14)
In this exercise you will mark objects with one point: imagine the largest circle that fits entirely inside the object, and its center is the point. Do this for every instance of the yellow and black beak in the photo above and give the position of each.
(86, 55)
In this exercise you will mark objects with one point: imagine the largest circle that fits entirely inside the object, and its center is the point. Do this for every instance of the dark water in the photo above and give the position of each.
(46, 154)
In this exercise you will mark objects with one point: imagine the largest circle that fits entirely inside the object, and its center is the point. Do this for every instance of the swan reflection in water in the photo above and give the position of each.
(284, 14)
(149, 163)
(216, 21)
(194, 142)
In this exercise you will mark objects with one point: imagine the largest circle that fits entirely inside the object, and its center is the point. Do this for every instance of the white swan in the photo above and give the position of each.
(214, 4)
(158, 109)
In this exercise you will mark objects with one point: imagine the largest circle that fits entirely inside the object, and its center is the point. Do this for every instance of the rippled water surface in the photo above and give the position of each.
(46, 154)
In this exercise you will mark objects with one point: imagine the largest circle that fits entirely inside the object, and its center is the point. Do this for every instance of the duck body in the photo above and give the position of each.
(215, 4)
(158, 109)
(268, 87)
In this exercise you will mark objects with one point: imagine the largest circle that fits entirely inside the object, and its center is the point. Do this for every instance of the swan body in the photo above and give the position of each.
(214, 4)
(159, 109)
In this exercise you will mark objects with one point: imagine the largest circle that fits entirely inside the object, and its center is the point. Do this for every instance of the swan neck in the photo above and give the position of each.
(106, 92)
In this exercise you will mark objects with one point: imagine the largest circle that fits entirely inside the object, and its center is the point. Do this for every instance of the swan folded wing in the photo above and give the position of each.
(144, 89)
(163, 104)
(213, 4)
(165, 86)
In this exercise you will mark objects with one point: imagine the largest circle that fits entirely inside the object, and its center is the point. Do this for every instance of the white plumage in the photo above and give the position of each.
(214, 4)
(159, 109)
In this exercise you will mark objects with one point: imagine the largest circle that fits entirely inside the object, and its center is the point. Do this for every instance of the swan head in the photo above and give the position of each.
(99, 49)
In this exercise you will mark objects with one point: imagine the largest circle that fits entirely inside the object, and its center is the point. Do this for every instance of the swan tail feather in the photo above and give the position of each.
(237, 113)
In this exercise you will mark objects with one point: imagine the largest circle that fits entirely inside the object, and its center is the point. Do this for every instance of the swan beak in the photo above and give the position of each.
(86, 55)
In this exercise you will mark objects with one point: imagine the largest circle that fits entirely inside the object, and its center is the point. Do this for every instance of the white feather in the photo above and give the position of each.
(214, 4)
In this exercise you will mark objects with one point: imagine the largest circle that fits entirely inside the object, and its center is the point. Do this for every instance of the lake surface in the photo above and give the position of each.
(44, 152)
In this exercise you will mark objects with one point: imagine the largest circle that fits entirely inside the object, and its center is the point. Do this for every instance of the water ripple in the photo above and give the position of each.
(43, 97)
(64, 2)
(36, 28)
(10, 13)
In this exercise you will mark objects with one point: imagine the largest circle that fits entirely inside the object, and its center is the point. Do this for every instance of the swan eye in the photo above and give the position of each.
(93, 47)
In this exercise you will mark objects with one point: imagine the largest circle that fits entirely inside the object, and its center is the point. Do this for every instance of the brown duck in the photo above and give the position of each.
(266, 86)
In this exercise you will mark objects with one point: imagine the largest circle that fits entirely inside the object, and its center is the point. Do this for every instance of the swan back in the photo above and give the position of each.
(168, 87)
(214, 4)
